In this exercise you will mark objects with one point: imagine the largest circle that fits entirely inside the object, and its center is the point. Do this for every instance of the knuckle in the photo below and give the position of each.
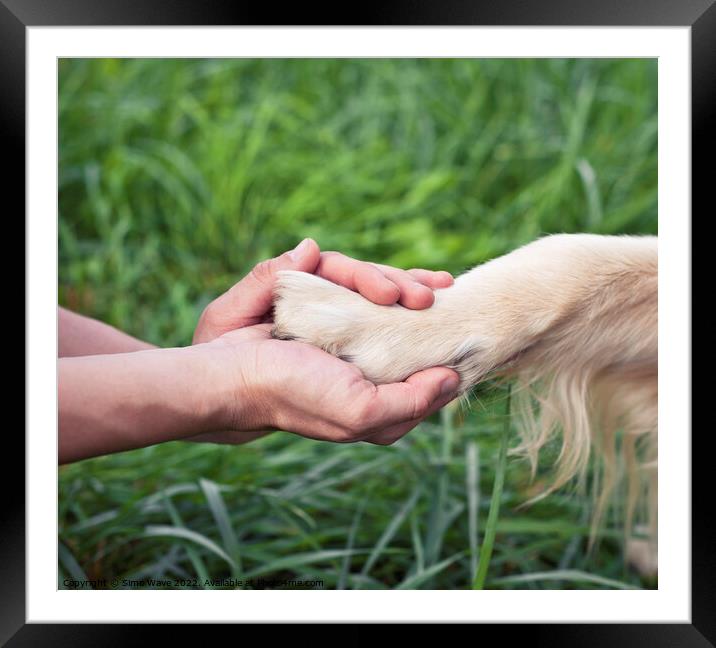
(420, 406)
(262, 271)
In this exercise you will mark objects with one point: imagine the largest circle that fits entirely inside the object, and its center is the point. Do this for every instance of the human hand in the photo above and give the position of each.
(249, 301)
(300, 388)
(128, 394)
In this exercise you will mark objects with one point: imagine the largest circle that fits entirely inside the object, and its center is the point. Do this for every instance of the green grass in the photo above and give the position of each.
(176, 176)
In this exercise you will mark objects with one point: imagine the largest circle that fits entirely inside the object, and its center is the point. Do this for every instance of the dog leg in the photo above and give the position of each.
(572, 317)
(562, 293)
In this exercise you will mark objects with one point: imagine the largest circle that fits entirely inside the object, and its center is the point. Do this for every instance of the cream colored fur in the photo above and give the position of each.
(572, 317)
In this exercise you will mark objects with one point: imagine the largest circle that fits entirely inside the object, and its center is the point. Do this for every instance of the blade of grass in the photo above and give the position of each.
(472, 485)
(299, 560)
(201, 571)
(391, 530)
(68, 561)
(414, 582)
(345, 568)
(570, 575)
(159, 530)
(437, 525)
(493, 515)
(221, 516)
(417, 545)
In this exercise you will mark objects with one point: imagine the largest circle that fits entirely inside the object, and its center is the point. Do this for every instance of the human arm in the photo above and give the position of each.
(133, 395)
(243, 381)
(78, 335)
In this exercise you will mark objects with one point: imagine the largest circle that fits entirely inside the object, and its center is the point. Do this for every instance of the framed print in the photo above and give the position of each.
(214, 465)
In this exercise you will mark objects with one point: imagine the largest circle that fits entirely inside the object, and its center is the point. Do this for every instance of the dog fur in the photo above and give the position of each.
(572, 318)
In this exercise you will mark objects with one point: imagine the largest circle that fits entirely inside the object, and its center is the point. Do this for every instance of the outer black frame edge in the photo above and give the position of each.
(368, 12)
(554, 636)
(703, 528)
(15, 15)
(12, 149)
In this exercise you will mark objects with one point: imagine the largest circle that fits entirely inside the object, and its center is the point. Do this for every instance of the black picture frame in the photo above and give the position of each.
(699, 15)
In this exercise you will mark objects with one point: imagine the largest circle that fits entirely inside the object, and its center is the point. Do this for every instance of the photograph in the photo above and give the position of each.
(357, 323)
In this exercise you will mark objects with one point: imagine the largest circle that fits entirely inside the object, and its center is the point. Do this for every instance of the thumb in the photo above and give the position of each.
(250, 299)
(415, 398)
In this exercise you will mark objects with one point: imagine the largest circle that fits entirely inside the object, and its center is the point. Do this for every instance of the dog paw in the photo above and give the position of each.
(387, 343)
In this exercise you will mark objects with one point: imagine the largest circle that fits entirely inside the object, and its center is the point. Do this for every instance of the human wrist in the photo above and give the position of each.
(244, 388)
(210, 388)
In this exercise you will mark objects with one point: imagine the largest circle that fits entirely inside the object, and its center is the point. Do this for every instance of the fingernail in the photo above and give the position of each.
(449, 385)
(300, 250)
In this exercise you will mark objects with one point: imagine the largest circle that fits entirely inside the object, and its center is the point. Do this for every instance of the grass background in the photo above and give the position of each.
(177, 176)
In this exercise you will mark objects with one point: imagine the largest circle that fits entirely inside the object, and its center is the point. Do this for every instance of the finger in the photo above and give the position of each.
(432, 279)
(413, 294)
(250, 299)
(255, 290)
(391, 435)
(364, 278)
(396, 403)
(397, 432)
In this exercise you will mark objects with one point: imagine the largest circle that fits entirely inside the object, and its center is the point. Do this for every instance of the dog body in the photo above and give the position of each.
(572, 317)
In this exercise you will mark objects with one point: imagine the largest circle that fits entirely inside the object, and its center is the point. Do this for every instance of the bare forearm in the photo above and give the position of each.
(111, 403)
(83, 336)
